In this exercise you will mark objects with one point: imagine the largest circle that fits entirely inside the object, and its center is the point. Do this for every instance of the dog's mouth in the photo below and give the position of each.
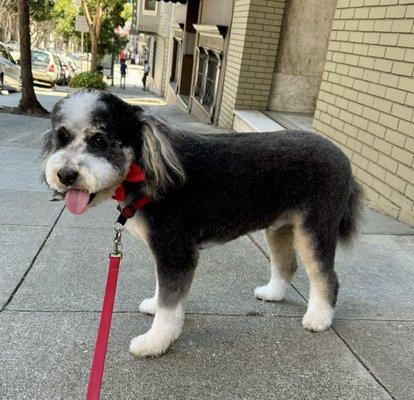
(77, 200)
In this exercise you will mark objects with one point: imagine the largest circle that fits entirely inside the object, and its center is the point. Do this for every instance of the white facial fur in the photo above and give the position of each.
(96, 174)
(77, 109)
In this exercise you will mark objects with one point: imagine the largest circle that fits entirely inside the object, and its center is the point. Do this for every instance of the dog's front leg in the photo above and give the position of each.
(149, 306)
(176, 263)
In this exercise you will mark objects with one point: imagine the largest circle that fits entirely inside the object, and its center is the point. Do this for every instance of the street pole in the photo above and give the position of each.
(112, 68)
(82, 51)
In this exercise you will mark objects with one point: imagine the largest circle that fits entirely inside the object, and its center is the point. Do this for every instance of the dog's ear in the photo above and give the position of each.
(48, 146)
(48, 143)
(162, 165)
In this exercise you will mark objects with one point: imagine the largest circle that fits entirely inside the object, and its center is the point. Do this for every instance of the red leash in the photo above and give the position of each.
(135, 175)
(98, 362)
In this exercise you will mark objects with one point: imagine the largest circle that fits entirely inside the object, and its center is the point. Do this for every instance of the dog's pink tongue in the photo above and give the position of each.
(77, 201)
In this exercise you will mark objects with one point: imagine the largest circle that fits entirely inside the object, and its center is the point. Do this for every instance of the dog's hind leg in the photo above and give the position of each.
(282, 263)
(317, 251)
(176, 262)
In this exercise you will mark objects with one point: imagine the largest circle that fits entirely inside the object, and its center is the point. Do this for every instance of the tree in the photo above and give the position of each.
(95, 25)
(28, 102)
(102, 16)
(110, 42)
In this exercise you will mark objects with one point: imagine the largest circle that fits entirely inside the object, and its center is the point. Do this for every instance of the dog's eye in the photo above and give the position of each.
(98, 141)
(63, 136)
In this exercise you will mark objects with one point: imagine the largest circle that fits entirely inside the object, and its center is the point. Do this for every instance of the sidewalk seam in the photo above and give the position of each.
(363, 363)
(332, 328)
(214, 314)
(32, 262)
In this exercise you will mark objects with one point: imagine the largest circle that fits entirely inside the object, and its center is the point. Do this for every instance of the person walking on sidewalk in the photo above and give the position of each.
(147, 69)
(123, 67)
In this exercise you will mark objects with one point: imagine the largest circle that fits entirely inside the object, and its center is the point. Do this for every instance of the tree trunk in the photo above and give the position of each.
(95, 25)
(28, 103)
(94, 50)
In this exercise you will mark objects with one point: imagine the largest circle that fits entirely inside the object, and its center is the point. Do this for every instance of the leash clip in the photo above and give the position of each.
(117, 240)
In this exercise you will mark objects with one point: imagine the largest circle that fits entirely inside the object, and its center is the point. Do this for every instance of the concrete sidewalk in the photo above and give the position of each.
(52, 275)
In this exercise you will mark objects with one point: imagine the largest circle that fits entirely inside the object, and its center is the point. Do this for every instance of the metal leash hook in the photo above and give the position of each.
(117, 240)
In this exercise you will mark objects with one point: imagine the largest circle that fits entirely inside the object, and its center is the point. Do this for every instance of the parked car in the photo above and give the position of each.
(69, 67)
(14, 50)
(81, 56)
(46, 67)
(9, 71)
(83, 60)
(62, 76)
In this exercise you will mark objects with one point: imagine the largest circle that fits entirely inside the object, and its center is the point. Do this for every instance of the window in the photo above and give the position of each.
(210, 88)
(150, 56)
(57, 61)
(149, 7)
(201, 70)
(176, 61)
(40, 57)
(207, 75)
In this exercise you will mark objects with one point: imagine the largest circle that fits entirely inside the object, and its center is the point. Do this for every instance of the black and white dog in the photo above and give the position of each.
(204, 190)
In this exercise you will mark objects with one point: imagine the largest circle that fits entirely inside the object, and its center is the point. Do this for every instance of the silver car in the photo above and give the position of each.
(9, 71)
(46, 67)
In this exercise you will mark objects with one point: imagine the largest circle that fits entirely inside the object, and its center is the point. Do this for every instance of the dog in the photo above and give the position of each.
(205, 190)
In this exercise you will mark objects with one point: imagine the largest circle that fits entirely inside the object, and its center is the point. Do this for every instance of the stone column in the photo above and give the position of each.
(301, 56)
(253, 43)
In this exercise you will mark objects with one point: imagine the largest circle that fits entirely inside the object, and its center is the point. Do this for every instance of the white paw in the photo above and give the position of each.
(318, 320)
(271, 292)
(148, 306)
(149, 344)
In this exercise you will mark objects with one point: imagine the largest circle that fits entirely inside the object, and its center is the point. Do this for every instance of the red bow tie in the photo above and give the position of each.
(135, 175)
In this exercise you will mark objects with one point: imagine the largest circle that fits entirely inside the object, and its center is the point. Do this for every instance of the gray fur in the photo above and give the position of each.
(215, 188)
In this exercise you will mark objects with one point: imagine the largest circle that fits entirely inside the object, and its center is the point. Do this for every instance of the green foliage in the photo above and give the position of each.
(64, 12)
(110, 42)
(126, 13)
(88, 80)
(116, 12)
(114, 16)
(41, 10)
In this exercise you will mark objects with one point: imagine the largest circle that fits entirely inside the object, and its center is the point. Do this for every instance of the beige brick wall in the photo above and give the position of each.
(366, 98)
(254, 38)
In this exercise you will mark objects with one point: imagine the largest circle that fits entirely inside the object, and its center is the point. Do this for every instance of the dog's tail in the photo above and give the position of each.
(348, 226)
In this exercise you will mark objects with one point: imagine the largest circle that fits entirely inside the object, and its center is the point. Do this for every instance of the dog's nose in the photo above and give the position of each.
(67, 176)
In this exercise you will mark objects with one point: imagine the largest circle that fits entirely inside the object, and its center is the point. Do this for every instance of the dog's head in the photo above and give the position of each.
(95, 136)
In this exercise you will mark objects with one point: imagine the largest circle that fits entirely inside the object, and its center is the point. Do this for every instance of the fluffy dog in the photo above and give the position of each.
(205, 190)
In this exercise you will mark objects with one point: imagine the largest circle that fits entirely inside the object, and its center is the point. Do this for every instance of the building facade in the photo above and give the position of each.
(153, 27)
(199, 39)
(348, 64)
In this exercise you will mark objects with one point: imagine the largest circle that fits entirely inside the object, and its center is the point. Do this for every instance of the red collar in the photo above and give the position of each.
(135, 175)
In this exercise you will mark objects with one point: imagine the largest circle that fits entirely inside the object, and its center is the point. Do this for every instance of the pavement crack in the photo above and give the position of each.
(32, 263)
(362, 362)
(218, 314)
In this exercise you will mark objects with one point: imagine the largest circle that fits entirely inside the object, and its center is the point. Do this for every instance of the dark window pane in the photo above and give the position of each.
(209, 93)
(40, 57)
(150, 5)
(202, 66)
